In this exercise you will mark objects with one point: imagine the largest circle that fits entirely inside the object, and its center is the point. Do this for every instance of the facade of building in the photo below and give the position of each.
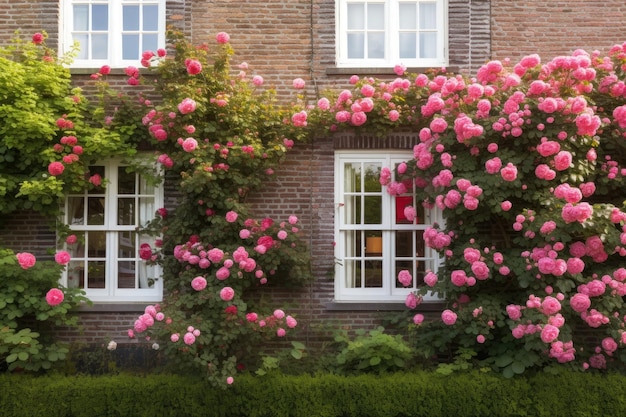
(355, 256)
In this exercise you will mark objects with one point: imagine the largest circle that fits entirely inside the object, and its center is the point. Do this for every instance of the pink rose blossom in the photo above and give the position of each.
(62, 258)
(175, 337)
(222, 37)
(54, 297)
(549, 333)
(193, 67)
(26, 260)
(448, 317)
(298, 83)
(562, 160)
(257, 80)
(56, 168)
(280, 332)
(190, 144)
(509, 172)
(405, 277)
(580, 302)
(198, 283)
(291, 322)
(279, 314)
(227, 293)
(189, 338)
(187, 106)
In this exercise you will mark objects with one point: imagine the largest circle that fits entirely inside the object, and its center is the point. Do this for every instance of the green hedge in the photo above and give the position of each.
(406, 394)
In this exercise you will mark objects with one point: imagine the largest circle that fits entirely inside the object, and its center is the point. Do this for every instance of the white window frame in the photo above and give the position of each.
(112, 231)
(115, 31)
(392, 31)
(391, 291)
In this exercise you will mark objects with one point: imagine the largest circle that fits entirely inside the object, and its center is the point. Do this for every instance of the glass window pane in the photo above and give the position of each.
(428, 45)
(352, 175)
(81, 17)
(407, 16)
(151, 17)
(130, 46)
(404, 243)
(419, 244)
(408, 45)
(372, 178)
(126, 211)
(125, 181)
(100, 17)
(83, 43)
(127, 244)
(356, 16)
(373, 274)
(373, 243)
(376, 45)
(100, 46)
(130, 18)
(150, 42)
(126, 274)
(146, 210)
(145, 187)
(76, 274)
(76, 210)
(95, 211)
(147, 275)
(96, 271)
(428, 16)
(353, 274)
(96, 242)
(376, 16)
(401, 203)
(373, 209)
(356, 46)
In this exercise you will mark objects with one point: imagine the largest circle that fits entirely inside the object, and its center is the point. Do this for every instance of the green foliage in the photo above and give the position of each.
(373, 351)
(27, 321)
(325, 395)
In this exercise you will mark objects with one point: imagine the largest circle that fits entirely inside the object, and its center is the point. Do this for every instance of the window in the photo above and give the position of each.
(383, 33)
(105, 260)
(112, 32)
(374, 239)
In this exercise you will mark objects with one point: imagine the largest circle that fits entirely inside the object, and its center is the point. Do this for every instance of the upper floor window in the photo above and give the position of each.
(374, 238)
(106, 260)
(112, 32)
(383, 33)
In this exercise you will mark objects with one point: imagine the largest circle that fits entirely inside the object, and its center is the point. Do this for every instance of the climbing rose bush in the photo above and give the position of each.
(218, 135)
(526, 162)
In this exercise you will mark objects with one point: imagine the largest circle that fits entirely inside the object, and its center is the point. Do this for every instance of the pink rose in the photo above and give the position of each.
(227, 293)
(193, 67)
(291, 322)
(187, 106)
(190, 144)
(549, 333)
(481, 270)
(514, 311)
(198, 283)
(56, 168)
(509, 172)
(298, 83)
(231, 216)
(26, 259)
(145, 251)
(411, 301)
(550, 306)
(62, 258)
(358, 118)
(279, 314)
(38, 38)
(580, 302)
(54, 297)
(189, 338)
(222, 37)
(418, 319)
(448, 317)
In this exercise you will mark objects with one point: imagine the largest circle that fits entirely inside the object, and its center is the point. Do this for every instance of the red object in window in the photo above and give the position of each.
(401, 203)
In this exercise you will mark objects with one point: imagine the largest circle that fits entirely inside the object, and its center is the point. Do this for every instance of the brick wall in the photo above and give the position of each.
(553, 28)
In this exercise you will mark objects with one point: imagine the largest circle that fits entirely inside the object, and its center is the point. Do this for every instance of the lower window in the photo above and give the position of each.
(375, 240)
(107, 221)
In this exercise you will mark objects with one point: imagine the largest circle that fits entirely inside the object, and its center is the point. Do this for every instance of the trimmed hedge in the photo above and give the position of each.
(394, 395)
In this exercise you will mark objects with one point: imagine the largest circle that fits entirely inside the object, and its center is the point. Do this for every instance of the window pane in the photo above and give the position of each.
(76, 210)
(81, 17)
(95, 211)
(125, 181)
(76, 274)
(147, 275)
(376, 17)
(126, 211)
(145, 187)
(428, 16)
(146, 210)
(408, 45)
(127, 246)
(404, 244)
(96, 242)
(356, 16)
(352, 176)
(151, 17)
(130, 46)
(428, 45)
(126, 274)
(356, 45)
(373, 209)
(373, 243)
(373, 274)
(401, 203)
(407, 16)
(130, 18)
(376, 45)
(96, 271)
(353, 274)
(100, 17)
(100, 46)
(372, 178)
(83, 42)
(150, 42)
